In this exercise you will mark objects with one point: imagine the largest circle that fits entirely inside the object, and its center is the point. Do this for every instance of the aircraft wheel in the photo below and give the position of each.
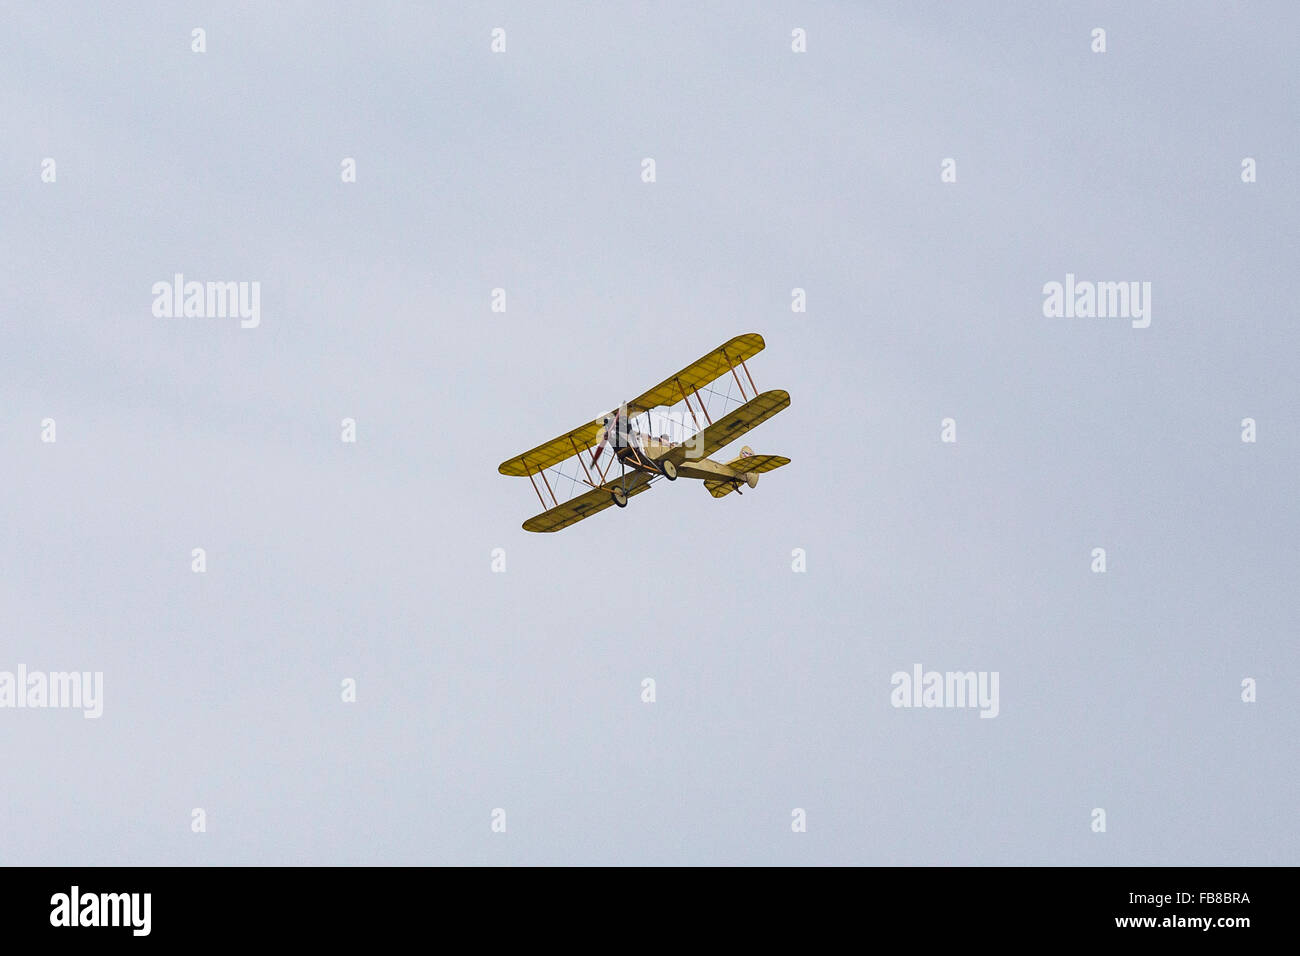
(620, 497)
(669, 469)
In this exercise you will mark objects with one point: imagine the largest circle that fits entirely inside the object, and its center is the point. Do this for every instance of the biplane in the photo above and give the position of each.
(650, 438)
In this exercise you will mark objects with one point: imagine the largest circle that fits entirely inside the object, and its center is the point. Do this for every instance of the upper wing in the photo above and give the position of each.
(699, 373)
(734, 424)
(586, 505)
(668, 392)
(554, 451)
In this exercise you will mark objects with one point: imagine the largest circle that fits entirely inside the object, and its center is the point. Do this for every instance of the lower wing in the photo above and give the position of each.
(588, 504)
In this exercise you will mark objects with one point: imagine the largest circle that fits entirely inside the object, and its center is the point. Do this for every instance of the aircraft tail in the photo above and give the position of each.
(747, 467)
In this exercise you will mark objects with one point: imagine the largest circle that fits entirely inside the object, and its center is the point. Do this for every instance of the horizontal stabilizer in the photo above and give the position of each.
(720, 489)
(758, 463)
(744, 465)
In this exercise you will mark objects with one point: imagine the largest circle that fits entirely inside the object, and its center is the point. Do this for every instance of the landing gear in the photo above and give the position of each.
(669, 470)
(620, 497)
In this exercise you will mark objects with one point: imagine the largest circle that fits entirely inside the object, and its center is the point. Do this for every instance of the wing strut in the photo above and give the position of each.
(577, 454)
(548, 488)
(701, 401)
(743, 396)
(688, 404)
(542, 472)
(529, 472)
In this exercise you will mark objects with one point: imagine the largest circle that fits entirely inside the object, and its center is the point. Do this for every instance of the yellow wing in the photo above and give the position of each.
(554, 451)
(586, 505)
(734, 424)
(699, 373)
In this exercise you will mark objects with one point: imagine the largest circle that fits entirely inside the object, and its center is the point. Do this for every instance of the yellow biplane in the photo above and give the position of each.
(650, 440)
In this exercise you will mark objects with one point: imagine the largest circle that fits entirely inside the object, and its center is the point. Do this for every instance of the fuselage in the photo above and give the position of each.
(644, 454)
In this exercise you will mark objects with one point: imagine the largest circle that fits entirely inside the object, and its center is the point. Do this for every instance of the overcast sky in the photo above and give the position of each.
(521, 690)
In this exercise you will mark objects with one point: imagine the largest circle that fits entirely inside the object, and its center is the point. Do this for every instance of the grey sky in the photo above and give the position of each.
(521, 690)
